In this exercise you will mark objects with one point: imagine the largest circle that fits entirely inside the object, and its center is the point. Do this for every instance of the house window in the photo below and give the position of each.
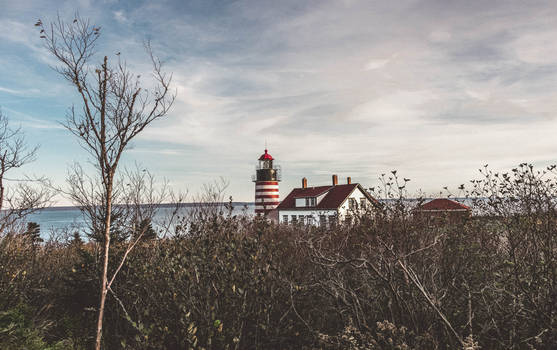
(285, 219)
(322, 220)
(348, 219)
(301, 219)
(332, 220)
(363, 203)
(351, 203)
(294, 220)
(310, 202)
(309, 219)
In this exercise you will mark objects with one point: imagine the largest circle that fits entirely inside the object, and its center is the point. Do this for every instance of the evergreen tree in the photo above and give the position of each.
(33, 232)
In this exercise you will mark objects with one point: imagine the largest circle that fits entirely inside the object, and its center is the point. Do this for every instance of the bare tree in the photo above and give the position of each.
(14, 151)
(115, 109)
(23, 198)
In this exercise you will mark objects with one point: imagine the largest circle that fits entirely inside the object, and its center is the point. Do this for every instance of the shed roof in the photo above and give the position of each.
(443, 204)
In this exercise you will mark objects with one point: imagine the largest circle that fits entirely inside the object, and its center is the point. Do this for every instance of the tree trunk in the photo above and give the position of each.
(2, 171)
(104, 289)
(1, 194)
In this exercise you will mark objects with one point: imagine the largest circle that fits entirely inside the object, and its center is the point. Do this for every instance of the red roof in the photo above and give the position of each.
(334, 196)
(266, 156)
(443, 204)
(310, 191)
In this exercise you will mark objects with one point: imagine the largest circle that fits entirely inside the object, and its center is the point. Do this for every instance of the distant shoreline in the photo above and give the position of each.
(163, 205)
(236, 204)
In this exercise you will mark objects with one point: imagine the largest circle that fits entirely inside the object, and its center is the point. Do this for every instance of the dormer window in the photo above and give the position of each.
(306, 202)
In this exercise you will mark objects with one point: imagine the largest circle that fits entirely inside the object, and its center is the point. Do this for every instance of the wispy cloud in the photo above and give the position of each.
(19, 92)
(29, 122)
(376, 64)
(163, 151)
(432, 88)
(120, 16)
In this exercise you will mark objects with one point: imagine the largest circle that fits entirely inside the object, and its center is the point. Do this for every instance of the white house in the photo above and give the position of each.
(324, 205)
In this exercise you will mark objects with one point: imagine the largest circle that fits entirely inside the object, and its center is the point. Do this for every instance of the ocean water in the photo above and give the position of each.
(57, 219)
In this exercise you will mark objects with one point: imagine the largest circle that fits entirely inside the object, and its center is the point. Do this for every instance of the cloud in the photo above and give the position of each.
(536, 47)
(18, 92)
(120, 16)
(376, 64)
(433, 88)
(27, 121)
(165, 152)
(439, 36)
(304, 87)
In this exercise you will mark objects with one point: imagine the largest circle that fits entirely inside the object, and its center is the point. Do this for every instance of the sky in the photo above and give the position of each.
(433, 89)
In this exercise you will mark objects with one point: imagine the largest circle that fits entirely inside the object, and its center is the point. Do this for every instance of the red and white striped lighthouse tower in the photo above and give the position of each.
(266, 181)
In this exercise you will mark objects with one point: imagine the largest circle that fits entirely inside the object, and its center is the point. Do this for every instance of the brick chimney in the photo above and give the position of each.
(349, 180)
(335, 180)
(304, 183)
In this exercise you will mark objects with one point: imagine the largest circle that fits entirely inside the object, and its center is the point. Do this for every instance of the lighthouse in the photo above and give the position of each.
(267, 177)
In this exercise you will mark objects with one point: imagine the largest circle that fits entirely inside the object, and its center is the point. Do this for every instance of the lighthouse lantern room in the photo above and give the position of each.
(267, 177)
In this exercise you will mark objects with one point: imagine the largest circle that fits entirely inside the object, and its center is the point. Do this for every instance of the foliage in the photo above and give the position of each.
(17, 332)
(395, 281)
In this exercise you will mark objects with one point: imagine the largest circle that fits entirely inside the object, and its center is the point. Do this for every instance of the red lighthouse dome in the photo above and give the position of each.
(266, 156)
